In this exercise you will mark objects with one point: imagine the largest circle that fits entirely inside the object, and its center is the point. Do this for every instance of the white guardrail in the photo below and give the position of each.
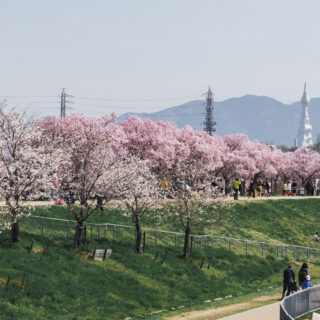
(300, 303)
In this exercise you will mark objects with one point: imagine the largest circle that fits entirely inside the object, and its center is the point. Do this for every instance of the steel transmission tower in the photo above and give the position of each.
(209, 123)
(63, 103)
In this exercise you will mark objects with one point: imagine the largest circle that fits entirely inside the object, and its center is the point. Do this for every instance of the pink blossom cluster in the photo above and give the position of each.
(185, 151)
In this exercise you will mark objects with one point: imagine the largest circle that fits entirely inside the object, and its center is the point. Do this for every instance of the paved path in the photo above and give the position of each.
(269, 312)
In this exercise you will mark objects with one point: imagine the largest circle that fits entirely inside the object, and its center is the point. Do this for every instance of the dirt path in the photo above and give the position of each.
(164, 201)
(268, 312)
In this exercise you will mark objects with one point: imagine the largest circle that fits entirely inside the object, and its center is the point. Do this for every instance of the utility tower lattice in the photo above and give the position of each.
(63, 103)
(209, 123)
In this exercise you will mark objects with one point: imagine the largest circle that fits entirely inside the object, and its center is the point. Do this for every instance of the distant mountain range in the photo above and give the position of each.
(260, 117)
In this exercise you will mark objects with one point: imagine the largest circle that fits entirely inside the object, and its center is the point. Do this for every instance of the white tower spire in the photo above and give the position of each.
(304, 138)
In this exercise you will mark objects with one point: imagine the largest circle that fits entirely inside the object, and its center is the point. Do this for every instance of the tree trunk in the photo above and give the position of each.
(139, 236)
(79, 236)
(15, 229)
(186, 240)
(226, 188)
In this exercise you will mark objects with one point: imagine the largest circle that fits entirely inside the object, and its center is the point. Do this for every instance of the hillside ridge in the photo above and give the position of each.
(260, 117)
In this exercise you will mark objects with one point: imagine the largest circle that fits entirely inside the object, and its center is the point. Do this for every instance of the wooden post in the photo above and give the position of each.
(212, 242)
(156, 256)
(286, 251)
(8, 280)
(22, 282)
(229, 245)
(84, 235)
(164, 257)
(68, 229)
(156, 239)
(47, 247)
(114, 232)
(175, 240)
(202, 262)
(31, 246)
(308, 253)
(105, 232)
(98, 232)
(262, 248)
(93, 253)
(42, 227)
(105, 254)
(246, 248)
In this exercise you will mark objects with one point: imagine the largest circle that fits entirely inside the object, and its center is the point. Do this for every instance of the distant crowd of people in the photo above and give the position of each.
(254, 189)
(260, 188)
(291, 188)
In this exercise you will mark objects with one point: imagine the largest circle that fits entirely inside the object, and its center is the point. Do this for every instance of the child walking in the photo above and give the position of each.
(307, 283)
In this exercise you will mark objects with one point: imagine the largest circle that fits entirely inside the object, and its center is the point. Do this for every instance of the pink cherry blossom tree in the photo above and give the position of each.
(263, 155)
(190, 177)
(235, 159)
(141, 196)
(304, 165)
(91, 162)
(153, 141)
(23, 164)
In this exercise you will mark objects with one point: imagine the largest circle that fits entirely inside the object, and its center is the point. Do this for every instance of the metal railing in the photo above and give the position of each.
(300, 303)
(154, 237)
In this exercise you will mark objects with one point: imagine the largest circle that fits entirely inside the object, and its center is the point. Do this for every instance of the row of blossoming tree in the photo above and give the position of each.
(126, 161)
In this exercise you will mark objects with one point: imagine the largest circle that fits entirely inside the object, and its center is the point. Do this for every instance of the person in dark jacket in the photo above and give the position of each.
(288, 278)
(303, 273)
(252, 188)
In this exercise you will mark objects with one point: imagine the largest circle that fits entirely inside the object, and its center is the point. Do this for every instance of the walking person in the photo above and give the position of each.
(284, 189)
(307, 283)
(288, 279)
(289, 188)
(294, 188)
(267, 188)
(236, 188)
(99, 204)
(252, 189)
(303, 273)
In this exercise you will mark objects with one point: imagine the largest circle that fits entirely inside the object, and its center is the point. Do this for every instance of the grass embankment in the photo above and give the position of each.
(281, 221)
(62, 283)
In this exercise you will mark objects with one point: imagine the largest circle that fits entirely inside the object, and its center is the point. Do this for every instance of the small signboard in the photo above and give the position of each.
(101, 254)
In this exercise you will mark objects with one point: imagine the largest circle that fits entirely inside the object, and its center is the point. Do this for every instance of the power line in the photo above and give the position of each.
(102, 99)
(137, 100)
(30, 96)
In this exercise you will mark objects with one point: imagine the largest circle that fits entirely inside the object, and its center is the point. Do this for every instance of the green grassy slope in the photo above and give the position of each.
(63, 283)
(286, 221)
(279, 221)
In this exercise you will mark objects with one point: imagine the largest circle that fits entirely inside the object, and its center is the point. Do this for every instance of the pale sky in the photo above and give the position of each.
(146, 55)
